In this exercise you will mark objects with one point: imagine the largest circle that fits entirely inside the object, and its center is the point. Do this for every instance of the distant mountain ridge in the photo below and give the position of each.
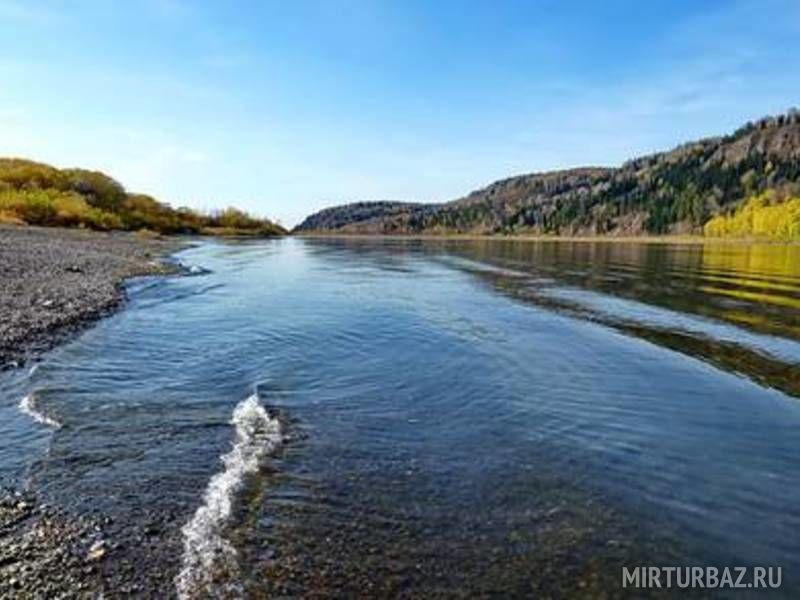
(667, 192)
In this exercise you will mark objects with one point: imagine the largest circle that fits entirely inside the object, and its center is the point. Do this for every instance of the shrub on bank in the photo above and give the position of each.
(38, 194)
(55, 208)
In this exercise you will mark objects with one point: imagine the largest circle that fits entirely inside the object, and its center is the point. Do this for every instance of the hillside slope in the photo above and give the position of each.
(35, 193)
(668, 192)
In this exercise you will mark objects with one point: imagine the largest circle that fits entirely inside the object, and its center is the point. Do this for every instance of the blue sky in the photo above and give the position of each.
(286, 107)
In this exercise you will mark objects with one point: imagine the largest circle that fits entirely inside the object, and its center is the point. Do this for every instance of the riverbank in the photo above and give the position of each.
(46, 551)
(644, 239)
(37, 541)
(54, 282)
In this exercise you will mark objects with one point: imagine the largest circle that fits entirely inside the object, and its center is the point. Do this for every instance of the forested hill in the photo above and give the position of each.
(669, 192)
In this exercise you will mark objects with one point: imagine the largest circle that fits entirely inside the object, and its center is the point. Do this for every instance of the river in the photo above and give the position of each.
(441, 418)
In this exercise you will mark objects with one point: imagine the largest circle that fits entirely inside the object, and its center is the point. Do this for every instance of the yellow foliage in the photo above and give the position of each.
(761, 216)
(148, 234)
(53, 207)
(7, 218)
(39, 194)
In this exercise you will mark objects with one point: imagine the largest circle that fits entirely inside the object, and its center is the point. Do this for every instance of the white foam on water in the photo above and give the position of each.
(28, 406)
(191, 269)
(210, 567)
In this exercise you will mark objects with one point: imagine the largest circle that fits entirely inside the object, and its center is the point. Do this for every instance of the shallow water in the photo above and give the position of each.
(437, 418)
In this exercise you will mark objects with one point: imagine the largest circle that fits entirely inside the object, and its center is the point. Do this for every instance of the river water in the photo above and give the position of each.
(441, 418)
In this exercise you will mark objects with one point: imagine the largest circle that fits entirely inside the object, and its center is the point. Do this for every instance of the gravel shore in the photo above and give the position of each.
(53, 282)
(44, 554)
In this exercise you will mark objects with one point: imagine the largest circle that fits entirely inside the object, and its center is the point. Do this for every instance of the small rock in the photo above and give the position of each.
(97, 551)
(152, 529)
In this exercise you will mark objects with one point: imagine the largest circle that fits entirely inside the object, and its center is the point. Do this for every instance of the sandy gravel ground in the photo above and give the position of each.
(53, 282)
